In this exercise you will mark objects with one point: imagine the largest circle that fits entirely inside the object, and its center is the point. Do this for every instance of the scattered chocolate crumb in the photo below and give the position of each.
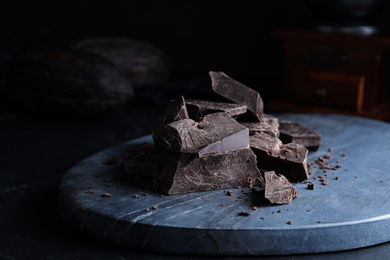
(155, 207)
(90, 191)
(289, 222)
(254, 208)
(262, 218)
(147, 209)
(382, 181)
(310, 186)
(328, 156)
(356, 177)
(279, 211)
(111, 161)
(337, 178)
(324, 171)
(136, 196)
(311, 173)
(273, 212)
(146, 194)
(202, 197)
(243, 213)
(338, 166)
(308, 210)
(324, 182)
(319, 221)
(162, 196)
(98, 174)
(344, 154)
(229, 193)
(222, 204)
(330, 149)
(107, 195)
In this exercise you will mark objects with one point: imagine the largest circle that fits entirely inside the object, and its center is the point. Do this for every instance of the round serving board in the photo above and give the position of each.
(352, 211)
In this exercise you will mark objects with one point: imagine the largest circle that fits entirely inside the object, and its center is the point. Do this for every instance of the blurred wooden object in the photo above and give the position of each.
(334, 73)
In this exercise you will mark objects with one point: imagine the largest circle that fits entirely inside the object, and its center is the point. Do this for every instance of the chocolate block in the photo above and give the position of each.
(217, 132)
(293, 132)
(236, 92)
(289, 159)
(190, 173)
(268, 125)
(278, 190)
(176, 110)
(199, 108)
(145, 161)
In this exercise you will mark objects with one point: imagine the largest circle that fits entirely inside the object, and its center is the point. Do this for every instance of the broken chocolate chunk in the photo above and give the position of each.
(268, 125)
(199, 108)
(191, 173)
(176, 110)
(144, 161)
(289, 159)
(234, 91)
(293, 132)
(216, 133)
(278, 190)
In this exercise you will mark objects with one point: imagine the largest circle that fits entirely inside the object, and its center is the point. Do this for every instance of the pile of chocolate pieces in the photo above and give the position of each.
(225, 142)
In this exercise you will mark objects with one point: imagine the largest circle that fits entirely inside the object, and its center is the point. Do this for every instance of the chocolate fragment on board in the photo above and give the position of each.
(199, 108)
(216, 132)
(268, 125)
(293, 132)
(144, 161)
(289, 159)
(278, 190)
(191, 173)
(234, 91)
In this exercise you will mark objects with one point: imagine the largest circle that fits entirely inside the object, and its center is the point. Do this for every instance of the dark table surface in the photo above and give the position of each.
(36, 151)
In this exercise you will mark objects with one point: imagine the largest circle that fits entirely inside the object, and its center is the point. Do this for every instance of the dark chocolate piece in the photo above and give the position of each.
(234, 91)
(191, 173)
(293, 132)
(289, 159)
(268, 125)
(200, 108)
(217, 132)
(176, 110)
(278, 190)
(145, 161)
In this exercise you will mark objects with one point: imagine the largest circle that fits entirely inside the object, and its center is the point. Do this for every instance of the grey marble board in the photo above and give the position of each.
(352, 211)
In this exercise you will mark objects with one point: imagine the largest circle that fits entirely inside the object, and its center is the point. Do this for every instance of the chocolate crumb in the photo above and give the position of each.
(338, 166)
(229, 193)
(162, 196)
(262, 218)
(319, 221)
(146, 194)
(155, 207)
(222, 204)
(147, 209)
(310, 186)
(289, 222)
(308, 210)
(98, 174)
(344, 154)
(254, 208)
(90, 192)
(337, 178)
(111, 161)
(243, 213)
(330, 149)
(328, 156)
(136, 196)
(279, 211)
(382, 181)
(107, 195)
(324, 182)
